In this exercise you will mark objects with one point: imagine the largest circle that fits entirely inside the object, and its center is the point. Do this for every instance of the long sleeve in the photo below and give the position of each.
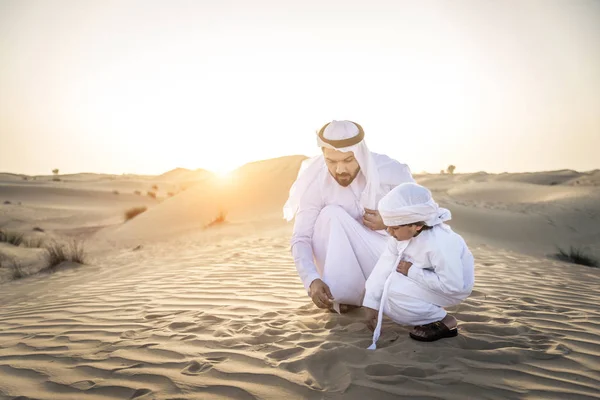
(447, 274)
(301, 243)
(384, 267)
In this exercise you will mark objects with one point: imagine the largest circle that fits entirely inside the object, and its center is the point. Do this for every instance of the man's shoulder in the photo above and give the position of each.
(392, 172)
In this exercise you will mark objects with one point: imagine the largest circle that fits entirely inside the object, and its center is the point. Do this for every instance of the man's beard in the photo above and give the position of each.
(345, 180)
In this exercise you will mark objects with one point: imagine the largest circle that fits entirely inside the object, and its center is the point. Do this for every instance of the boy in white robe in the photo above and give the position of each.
(425, 267)
(338, 234)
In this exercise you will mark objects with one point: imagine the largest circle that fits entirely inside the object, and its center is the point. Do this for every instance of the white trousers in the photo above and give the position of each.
(345, 253)
(405, 306)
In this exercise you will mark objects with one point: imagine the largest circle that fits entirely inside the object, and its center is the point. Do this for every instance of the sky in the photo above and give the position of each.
(148, 86)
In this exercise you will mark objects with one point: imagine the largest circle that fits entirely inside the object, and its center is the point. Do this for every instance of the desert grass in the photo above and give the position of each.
(14, 238)
(17, 270)
(219, 219)
(576, 255)
(57, 253)
(14, 265)
(33, 242)
(134, 212)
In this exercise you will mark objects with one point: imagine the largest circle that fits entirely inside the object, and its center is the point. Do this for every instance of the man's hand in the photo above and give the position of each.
(371, 319)
(403, 267)
(320, 294)
(373, 220)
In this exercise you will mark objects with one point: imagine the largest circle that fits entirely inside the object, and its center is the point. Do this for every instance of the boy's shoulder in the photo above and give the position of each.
(440, 236)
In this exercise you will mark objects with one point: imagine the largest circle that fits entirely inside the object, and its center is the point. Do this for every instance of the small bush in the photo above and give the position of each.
(115, 192)
(34, 242)
(7, 202)
(56, 179)
(170, 194)
(152, 194)
(133, 212)
(576, 256)
(219, 219)
(154, 187)
(13, 238)
(451, 169)
(56, 253)
(137, 192)
(17, 270)
(38, 229)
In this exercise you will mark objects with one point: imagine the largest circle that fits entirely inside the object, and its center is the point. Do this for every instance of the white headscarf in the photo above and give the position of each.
(408, 203)
(333, 135)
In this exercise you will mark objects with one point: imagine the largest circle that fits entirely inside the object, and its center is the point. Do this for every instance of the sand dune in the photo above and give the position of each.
(170, 310)
(231, 321)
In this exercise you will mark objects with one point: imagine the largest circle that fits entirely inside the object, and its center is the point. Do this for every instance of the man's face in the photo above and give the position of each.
(342, 166)
(403, 232)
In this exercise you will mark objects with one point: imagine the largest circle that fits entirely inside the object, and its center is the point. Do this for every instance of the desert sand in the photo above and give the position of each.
(170, 306)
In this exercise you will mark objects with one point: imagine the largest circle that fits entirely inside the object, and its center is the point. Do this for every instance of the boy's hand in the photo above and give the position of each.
(371, 319)
(320, 294)
(403, 267)
(372, 220)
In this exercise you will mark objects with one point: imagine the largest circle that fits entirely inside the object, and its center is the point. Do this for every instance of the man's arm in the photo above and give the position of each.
(301, 243)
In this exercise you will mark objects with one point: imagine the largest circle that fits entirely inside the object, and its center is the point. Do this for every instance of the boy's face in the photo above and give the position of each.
(404, 232)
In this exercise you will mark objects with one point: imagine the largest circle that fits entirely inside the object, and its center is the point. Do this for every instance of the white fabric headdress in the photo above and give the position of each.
(409, 203)
(343, 136)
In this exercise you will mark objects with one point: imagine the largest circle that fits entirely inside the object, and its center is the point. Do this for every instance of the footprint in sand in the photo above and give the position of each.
(197, 367)
(177, 326)
(389, 373)
(285, 354)
(83, 385)
(139, 393)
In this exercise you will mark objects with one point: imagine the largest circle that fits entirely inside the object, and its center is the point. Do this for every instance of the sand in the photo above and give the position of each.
(168, 308)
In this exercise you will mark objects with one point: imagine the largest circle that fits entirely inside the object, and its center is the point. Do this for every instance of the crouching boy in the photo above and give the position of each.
(425, 267)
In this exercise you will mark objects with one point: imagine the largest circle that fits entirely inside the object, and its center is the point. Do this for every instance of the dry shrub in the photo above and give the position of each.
(219, 219)
(57, 253)
(13, 238)
(133, 212)
(576, 256)
(34, 242)
(17, 268)
(152, 194)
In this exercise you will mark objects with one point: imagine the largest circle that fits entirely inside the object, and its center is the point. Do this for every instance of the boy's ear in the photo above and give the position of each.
(419, 227)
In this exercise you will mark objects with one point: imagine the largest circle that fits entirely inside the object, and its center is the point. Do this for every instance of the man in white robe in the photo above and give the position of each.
(338, 234)
(424, 268)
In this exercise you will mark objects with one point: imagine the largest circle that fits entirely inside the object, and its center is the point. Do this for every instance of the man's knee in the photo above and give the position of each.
(332, 213)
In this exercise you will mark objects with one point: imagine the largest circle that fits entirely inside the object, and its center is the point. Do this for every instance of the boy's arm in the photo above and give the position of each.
(385, 265)
(447, 274)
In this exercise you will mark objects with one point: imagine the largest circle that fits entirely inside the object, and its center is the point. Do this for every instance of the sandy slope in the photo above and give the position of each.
(198, 313)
